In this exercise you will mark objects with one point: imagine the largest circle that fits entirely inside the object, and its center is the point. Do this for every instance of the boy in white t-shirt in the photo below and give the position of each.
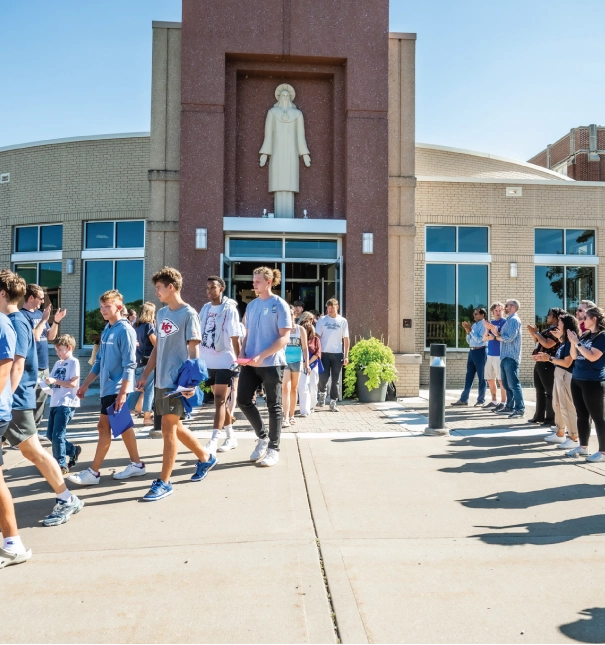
(64, 381)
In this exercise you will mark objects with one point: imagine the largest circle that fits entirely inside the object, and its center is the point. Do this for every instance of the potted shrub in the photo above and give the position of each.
(371, 368)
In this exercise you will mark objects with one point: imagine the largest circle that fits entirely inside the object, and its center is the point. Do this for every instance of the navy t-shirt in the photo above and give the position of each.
(34, 318)
(144, 345)
(563, 352)
(24, 397)
(585, 370)
(493, 346)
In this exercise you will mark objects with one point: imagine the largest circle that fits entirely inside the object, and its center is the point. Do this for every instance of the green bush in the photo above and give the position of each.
(375, 360)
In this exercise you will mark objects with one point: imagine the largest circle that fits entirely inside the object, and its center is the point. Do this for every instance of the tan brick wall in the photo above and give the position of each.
(407, 374)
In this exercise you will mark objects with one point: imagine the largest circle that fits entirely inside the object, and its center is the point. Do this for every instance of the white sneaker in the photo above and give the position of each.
(333, 406)
(554, 438)
(132, 470)
(271, 458)
(84, 478)
(212, 446)
(597, 458)
(229, 444)
(260, 450)
(285, 423)
(577, 452)
(568, 444)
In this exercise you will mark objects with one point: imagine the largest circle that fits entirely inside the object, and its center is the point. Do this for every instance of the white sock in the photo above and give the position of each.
(65, 496)
(215, 434)
(14, 545)
(228, 430)
(139, 465)
(95, 472)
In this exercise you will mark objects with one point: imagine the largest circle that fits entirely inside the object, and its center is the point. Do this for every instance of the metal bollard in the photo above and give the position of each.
(436, 425)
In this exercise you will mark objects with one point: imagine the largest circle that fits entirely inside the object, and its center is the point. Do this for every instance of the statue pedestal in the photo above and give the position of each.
(284, 204)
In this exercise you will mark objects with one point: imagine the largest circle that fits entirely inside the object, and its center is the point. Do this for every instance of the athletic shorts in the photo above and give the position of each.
(492, 368)
(21, 427)
(107, 401)
(294, 367)
(220, 377)
(170, 405)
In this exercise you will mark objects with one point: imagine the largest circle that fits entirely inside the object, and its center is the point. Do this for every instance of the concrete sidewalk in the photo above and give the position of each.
(489, 535)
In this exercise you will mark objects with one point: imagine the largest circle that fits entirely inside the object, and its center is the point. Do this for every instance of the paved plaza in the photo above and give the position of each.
(366, 531)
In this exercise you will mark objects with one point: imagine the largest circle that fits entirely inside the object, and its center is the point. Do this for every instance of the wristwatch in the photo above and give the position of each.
(550, 359)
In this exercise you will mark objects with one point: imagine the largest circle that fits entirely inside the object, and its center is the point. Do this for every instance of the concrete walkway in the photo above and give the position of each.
(370, 535)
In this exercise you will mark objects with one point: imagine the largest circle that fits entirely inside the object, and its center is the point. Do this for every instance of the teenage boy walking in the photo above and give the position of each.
(115, 362)
(268, 322)
(21, 431)
(178, 340)
(492, 366)
(12, 550)
(333, 331)
(219, 349)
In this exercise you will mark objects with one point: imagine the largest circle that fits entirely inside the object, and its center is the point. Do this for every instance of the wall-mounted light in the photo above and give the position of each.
(201, 238)
(367, 243)
(513, 270)
(70, 266)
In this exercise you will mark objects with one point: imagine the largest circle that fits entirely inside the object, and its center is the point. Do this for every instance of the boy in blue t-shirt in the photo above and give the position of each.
(492, 365)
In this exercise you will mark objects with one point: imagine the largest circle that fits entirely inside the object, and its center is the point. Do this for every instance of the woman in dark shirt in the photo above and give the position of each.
(588, 383)
(565, 411)
(144, 328)
(544, 372)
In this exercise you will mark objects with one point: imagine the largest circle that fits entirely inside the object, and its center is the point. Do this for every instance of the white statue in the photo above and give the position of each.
(284, 143)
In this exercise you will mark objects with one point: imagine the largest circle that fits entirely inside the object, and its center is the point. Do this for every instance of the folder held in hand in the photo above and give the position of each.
(119, 421)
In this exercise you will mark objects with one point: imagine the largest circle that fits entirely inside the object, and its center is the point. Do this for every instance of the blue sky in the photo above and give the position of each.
(500, 77)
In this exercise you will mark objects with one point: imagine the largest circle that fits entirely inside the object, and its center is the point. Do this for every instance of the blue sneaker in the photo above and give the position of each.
(203, 468)
(159, 489)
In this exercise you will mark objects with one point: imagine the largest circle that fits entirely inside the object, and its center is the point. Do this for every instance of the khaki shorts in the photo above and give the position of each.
(171, 405)
(492, 368)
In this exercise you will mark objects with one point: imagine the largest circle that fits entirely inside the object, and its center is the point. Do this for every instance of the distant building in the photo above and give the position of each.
(579, 155)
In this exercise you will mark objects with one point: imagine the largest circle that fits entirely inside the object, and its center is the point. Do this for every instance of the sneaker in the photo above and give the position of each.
(285, 423)
(202, 468)
(85, 478)
(578, 452)
(436, 432)
(64, 470)
(321, 400)
(455, 403)
(554, 438)
(568, 444)
(597, 458)
(333, 406)
(63, 511)
(159, 489)
(132, 470)
(260, 450)
(229, 444)
(490, 405)
(188, 416)
(516, 414)
(479, 404)
(499, 407)
(8, 557)
(155, 434)
(74, 460)
(271, 458)
(503, 410)
(212, 446)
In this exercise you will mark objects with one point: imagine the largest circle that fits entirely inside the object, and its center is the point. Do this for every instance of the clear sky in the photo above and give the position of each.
(500, 77)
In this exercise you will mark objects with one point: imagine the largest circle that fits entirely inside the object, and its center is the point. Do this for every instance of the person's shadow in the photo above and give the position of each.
(587, 631)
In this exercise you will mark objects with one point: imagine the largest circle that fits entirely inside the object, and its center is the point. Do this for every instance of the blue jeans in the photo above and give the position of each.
(509, 371)
(133, 397)
(58, 418)
(475, 364)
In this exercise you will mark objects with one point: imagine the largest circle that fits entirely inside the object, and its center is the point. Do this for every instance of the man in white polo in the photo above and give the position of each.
(333, 331)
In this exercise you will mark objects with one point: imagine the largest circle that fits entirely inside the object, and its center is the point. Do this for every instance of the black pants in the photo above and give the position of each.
(332, 368)
(589, 400)
(271, 378)
(544, 382)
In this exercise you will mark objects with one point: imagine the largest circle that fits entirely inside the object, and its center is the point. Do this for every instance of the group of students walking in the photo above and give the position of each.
(268, 350)
(569, 371)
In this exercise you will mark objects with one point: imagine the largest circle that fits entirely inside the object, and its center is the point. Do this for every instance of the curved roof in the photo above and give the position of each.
(442, 161)
(91, 137)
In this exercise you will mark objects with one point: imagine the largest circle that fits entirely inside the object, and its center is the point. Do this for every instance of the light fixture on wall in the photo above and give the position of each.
(201, 238)
(513, 270)
(70, 266)
(367, 243)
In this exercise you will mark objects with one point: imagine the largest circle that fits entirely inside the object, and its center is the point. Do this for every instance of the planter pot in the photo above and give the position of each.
(378, 395)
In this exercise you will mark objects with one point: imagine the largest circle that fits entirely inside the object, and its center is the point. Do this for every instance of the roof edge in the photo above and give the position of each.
(162, 24)
(487, 155)
(402, 35)
(91, 137)
(510, 181)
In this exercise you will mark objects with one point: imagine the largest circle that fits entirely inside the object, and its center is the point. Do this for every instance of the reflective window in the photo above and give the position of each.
(472, 239)
(472, 293)
(99, 235)
(548, 241)
(130, 235)
(579, 285)
(50, 275)
(255, 248)
(560, 286)
(312, 249)
(441, 239)
(26, 239)
(47, 275)
(29, 272)
(578, 242)
(557, 241)
(51, 238)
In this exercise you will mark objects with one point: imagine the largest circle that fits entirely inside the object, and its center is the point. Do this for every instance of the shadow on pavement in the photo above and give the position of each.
(505, 465)
(368, 439)
(587, 631)
(511, 499)
(480, 453)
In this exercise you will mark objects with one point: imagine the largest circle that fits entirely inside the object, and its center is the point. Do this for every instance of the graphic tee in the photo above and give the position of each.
(24, 397)
(174, 330)
(585, 370)
(493, 346)
(332, 331)
(563, 352)
(211, 334)
(264, 319)
(8, 343)
(65, 371)
(34, 318)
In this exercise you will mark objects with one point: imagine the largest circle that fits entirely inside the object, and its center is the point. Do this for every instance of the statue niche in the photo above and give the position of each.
(284, 143)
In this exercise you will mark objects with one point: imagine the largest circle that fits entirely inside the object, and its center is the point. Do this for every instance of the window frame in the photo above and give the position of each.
(565, 258)
(460, 253)
(284, 257)
(38, 255)
(117, 253)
